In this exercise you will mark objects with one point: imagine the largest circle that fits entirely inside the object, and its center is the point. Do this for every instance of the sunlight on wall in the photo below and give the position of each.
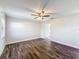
(22, 30)
(17, 25)
(45, 30)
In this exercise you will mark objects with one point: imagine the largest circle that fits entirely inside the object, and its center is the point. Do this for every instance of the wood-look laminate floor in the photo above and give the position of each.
(36, 49)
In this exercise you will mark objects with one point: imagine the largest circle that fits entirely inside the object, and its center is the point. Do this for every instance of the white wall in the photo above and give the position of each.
(22, 30)
(64, 30)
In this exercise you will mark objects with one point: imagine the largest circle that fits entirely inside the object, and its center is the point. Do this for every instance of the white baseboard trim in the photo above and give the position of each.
(27, 39)
(63, 43)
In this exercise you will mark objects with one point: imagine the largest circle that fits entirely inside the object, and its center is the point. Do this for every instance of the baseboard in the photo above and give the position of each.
(27, 39)
(62, 43)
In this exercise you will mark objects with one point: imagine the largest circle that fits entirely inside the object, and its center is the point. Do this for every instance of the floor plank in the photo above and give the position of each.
(37, 49)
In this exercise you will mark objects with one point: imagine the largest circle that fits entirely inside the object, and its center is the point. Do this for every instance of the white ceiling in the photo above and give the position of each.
(22, 8)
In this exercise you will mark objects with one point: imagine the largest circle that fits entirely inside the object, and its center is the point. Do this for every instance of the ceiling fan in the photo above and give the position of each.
(41, 14)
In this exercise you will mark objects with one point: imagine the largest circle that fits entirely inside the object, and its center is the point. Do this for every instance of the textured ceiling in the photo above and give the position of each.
(24, 8)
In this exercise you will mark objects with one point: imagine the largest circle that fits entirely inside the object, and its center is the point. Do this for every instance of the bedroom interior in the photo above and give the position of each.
(39, 29)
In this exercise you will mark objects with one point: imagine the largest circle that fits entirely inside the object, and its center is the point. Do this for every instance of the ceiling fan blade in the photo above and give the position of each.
(46, 16)
(30, 10)
(52, 18)
(44, 3)
(36, 17)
